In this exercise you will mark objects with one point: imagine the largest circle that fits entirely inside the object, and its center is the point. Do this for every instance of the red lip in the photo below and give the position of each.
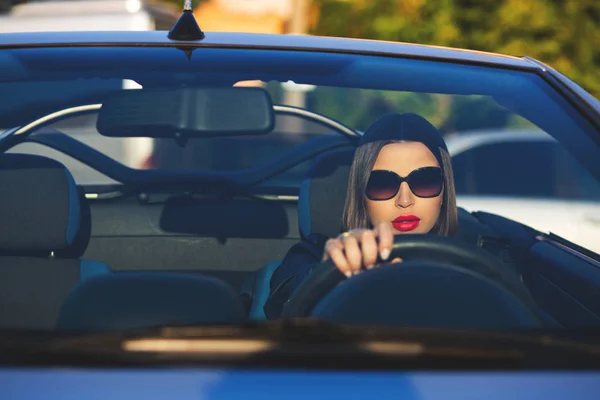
(406, 223)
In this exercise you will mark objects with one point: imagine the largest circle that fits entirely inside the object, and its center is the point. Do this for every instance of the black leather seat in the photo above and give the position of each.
(45, 227)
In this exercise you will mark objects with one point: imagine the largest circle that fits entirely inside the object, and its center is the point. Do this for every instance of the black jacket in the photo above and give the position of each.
(296, 265)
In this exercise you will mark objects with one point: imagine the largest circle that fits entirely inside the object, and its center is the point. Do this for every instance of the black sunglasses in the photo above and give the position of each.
(424, 182)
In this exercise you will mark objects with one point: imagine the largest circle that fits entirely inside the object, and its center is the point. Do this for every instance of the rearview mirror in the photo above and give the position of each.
(187, 112)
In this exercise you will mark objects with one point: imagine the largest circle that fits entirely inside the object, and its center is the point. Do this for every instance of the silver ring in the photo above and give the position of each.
(349, 233)
(344, 235)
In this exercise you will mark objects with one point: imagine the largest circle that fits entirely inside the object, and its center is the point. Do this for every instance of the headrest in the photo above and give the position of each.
(134, 300)
(323, 194)
(40, 209)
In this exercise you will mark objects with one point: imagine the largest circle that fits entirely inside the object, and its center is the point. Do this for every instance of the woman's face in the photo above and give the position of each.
(407, 212)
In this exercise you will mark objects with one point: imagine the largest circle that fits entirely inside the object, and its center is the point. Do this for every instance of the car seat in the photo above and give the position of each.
(44, 230)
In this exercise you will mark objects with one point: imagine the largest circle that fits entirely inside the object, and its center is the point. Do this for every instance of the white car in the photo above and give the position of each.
(90, 15)
(550, 192)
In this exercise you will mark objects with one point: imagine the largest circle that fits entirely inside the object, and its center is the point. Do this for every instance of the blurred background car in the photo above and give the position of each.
(90, 15)
(529, 177)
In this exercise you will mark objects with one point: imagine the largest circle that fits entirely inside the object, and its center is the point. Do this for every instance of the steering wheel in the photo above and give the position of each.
(438, 276)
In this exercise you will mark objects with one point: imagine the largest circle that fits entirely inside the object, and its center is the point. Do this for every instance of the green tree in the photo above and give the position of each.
(563, 33)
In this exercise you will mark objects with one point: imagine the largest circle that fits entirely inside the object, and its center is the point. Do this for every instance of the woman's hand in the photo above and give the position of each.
(358, 249)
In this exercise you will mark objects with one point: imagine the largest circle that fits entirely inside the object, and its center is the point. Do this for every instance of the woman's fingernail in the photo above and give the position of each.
(348, 274)
(370, 266)
(385, 254)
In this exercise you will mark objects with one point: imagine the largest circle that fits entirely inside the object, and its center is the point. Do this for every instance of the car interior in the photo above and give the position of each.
(172, 248)
(123, 236)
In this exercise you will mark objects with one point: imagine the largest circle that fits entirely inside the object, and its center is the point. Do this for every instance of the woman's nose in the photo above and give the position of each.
(405, 197)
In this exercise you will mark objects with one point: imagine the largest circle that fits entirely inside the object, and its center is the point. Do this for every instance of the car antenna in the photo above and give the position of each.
(186, 27)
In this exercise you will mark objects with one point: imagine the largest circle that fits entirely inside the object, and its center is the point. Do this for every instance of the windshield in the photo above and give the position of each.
(524, 164)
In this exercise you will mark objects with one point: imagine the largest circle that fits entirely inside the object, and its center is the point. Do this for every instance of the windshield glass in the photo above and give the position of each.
(518, 151)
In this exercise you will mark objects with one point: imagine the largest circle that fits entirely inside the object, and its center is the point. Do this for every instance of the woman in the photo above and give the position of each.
(401, 182)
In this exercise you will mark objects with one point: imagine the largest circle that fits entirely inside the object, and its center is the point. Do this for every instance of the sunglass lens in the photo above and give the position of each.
(382, 185)
(426, 182)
